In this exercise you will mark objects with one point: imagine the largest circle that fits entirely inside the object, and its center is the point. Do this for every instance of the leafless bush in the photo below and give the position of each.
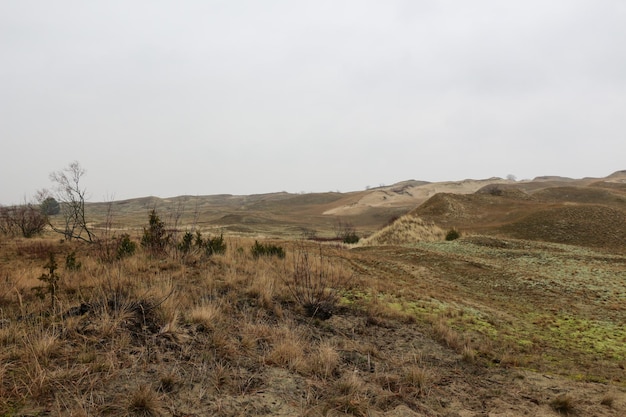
(110, 246)
(315, 283)
(26, 220)
(346, 232)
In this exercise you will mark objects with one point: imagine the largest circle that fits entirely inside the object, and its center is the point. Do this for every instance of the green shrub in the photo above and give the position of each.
(125, 247)
(50, 280)
(185, 244)
(71, 263)
(215, 245)
(210, 246)
(452, 234)
(199, 242)
(267, 249)
(350, 238)
(50, 206)
(155, 237)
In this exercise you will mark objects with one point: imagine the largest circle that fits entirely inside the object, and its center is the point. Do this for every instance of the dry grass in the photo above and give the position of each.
(608, 400)
(448, 335)
(403, 230)
(469, 354)
(288, 350)
(264, 287)
(143, 402)
(207, 315)
(325, 360)
(219, 335)
(41, 345)
(350, 396)
(563, 404)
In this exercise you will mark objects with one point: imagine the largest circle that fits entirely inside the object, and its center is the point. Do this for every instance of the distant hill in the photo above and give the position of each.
(533, 209)
(585, 212)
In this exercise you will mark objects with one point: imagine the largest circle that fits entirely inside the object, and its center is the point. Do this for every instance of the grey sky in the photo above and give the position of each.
(203, 97)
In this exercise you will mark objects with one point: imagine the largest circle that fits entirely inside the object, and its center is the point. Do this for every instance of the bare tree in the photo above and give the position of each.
(71, 195)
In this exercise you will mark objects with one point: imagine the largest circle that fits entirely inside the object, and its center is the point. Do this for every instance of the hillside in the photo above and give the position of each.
(586, 213)
(286, 214)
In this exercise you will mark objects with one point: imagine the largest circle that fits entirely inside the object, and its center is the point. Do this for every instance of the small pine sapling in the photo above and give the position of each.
(50, 280)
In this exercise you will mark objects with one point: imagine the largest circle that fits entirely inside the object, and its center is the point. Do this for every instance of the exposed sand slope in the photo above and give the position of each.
(411, 193)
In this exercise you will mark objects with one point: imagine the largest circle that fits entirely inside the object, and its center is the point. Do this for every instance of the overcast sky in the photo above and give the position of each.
(203, 97)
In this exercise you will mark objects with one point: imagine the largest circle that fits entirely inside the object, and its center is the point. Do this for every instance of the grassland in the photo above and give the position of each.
(488, 324)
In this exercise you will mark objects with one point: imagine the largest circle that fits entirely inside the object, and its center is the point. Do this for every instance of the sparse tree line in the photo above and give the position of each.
(62, 210)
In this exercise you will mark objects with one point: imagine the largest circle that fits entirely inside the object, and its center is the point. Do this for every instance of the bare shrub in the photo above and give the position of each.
(315, 283)
(109, 246)
(346, 232)
(27, 220)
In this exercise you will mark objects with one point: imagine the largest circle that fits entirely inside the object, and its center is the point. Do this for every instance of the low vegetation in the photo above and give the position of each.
(267, 249)
(452, 234)
(168, 319)
(403, 230)
(323, 331)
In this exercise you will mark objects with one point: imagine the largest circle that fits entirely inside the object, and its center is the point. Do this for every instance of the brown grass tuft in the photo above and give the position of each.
(417, 379)
(324, 361)
(349, 395)
(144, 402)
(608, 400)
(207, 314)
(468, 354)
(42, 345)
(448, 336)
(563, 404)
(288, 351)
